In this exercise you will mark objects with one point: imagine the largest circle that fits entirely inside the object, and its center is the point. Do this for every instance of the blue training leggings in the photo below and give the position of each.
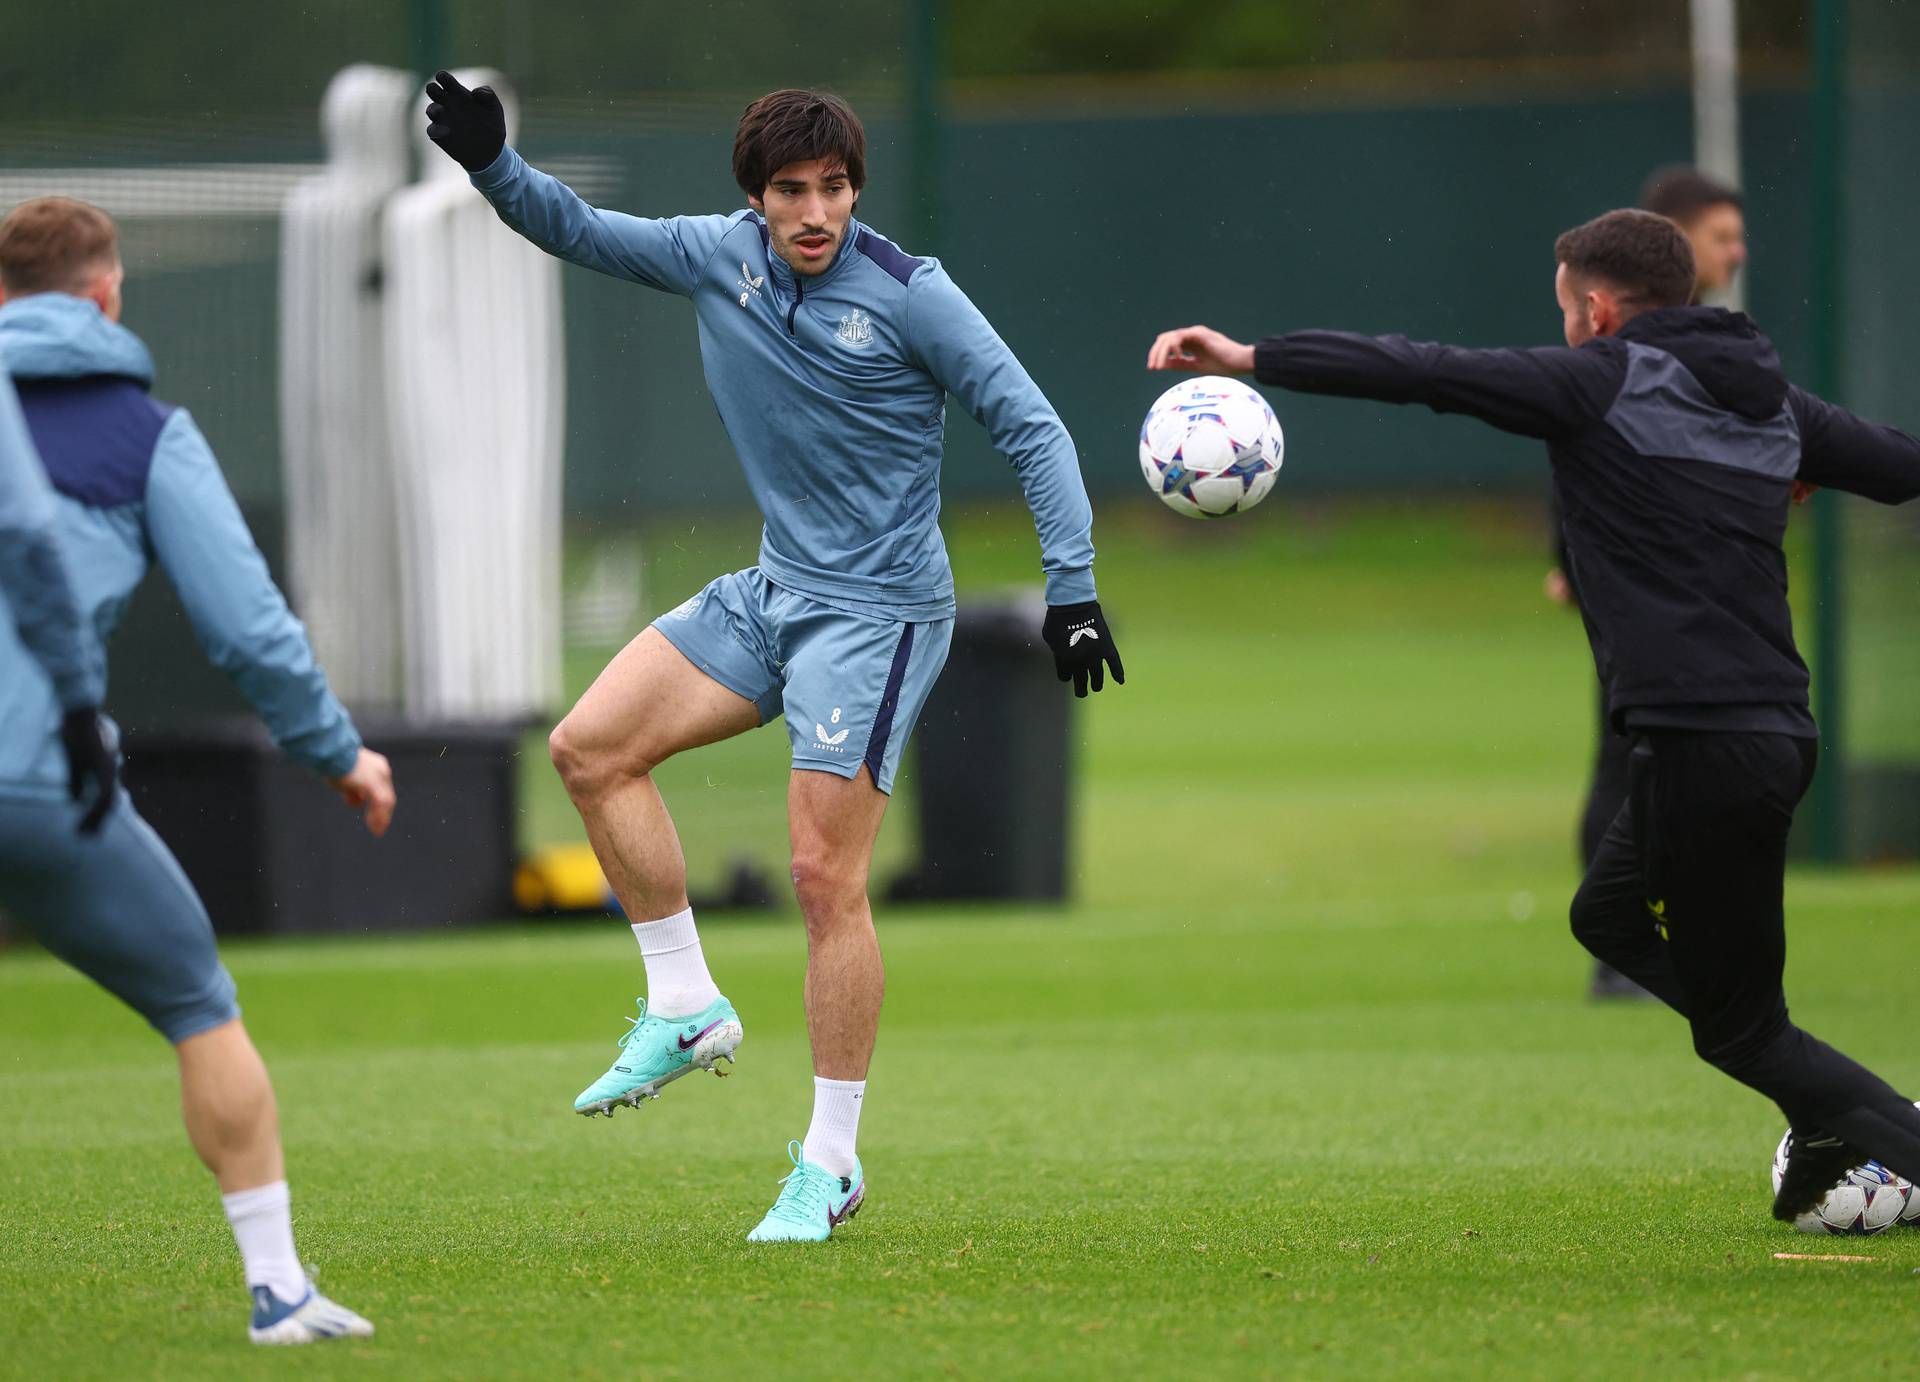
(116, 907)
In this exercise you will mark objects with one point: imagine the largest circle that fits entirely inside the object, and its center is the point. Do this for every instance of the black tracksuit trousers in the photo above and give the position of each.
(1684, 897)
(1607, 790)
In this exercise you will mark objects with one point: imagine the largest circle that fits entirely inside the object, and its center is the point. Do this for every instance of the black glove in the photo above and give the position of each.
(1081, 643)
(83, 734)
(469, 125)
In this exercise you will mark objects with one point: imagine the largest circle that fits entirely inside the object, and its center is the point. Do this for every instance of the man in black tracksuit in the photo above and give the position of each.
(1677, 447)
(1710, 215)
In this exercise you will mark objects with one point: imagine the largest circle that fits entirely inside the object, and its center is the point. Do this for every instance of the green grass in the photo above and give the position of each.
(1301, 1085)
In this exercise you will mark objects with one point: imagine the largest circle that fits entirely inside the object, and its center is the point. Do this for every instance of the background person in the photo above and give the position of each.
(136, 482)
(1711, 215)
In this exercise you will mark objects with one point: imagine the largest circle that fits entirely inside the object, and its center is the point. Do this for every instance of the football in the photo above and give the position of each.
(1210, 447)
(1870, 1199)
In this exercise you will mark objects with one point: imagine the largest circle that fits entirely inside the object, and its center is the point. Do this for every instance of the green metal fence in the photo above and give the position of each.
(1863, 285)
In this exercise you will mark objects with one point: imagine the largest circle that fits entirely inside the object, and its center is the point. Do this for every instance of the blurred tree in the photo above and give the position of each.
(997, 38)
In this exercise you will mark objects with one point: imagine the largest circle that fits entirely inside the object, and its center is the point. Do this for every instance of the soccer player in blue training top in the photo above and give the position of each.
(829, 352)
(136, 482)
(1677, 445)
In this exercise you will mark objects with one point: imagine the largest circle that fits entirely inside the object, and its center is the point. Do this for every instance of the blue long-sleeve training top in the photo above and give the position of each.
(136, 482)
(832, 389)
(37, 600)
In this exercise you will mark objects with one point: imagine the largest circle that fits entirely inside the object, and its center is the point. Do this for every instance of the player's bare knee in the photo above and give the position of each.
(568, 759)
(585, 770)
(826, 888)
(231, 1113)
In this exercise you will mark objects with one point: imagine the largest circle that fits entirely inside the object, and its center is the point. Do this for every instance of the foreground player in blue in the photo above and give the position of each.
(829, 352)
(135, 482)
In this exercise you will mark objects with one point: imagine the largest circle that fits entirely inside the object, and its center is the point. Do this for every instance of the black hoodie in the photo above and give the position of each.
(1674, 445)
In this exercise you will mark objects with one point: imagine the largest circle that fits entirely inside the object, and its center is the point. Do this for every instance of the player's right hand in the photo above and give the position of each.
(83, 734)
(369, 784)
(1200, 350)
(470, 126)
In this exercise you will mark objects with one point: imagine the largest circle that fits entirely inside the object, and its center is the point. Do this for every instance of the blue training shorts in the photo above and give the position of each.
(116, 907)
(851, 686)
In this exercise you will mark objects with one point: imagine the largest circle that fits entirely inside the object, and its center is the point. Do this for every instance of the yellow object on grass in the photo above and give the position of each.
(562, 878)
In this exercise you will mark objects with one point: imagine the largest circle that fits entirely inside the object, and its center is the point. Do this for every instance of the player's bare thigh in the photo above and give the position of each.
(647, 705)
(832, 823)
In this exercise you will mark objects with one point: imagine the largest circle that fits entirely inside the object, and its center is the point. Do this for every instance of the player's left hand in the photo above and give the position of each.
(1200, 350)
(369, 784)
(89, 748)
(1802, 491)
(1082, 646)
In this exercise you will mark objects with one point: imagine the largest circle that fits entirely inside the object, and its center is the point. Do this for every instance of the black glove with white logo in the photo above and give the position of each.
(1081, 646)
(83, 734)
(470, 126)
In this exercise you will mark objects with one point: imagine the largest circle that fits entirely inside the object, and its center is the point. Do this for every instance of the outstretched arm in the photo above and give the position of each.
(967, 358)
(1540, 392)
(243, 623)
(1847, 452)
(667, 254)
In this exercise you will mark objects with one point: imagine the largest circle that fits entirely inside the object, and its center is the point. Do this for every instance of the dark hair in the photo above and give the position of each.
(1642, 255)
(793, 126)
(1681, 192)
(55, 245)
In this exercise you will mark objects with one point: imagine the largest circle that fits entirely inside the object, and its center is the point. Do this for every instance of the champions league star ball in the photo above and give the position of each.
(1210, 447)
(1870, 1199)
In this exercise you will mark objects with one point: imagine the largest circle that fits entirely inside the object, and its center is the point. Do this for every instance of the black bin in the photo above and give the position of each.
(992, 764)
(273, 850)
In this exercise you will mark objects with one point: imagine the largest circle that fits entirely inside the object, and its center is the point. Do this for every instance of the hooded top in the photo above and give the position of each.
(1675, 445)
(136, 482)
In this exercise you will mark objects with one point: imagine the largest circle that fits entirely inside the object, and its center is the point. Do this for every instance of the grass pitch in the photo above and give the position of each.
(1301, 1085)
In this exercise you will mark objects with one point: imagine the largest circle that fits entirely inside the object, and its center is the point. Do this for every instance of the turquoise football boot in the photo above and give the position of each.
(656, 1051)
(813, 1202)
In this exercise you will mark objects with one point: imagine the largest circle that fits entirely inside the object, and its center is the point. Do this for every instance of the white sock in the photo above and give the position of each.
(836, 1122)
(678, 984)
(262, 1220)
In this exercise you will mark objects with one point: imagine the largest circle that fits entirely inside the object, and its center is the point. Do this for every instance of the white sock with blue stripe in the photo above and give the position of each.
(836, 1123)
(678, 984)
(262, 1220)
